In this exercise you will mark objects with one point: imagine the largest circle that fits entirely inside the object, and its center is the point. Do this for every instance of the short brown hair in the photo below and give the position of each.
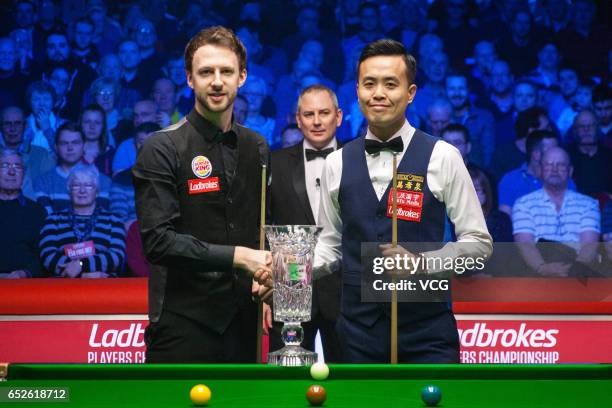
(219, 36)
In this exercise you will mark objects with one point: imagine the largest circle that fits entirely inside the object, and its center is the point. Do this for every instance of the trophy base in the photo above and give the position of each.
(292, 356)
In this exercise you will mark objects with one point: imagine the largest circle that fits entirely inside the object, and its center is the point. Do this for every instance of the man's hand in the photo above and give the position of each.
(94, 275)
(389, 251)
(256, 263)
(267, 318)
(261, 292)
(71, 269)
(558, 269)
(162, 119)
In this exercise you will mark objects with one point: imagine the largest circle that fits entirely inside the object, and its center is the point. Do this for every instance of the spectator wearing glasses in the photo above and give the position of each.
(36, 159)
(50, 188)
(20, 221)
(83, 240)
(556, 214)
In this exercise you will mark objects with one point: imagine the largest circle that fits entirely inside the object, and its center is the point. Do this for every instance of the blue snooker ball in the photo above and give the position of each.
(431, 395)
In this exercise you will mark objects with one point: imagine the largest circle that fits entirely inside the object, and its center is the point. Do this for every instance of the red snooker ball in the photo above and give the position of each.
(316, 395)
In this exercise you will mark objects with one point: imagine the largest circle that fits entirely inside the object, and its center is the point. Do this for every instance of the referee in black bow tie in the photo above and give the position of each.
(295, 196)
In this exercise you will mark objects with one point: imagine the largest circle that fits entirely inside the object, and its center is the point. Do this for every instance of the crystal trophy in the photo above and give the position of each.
(292, 248)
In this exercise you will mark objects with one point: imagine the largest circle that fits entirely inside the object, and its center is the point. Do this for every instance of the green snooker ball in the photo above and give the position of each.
(431, 395)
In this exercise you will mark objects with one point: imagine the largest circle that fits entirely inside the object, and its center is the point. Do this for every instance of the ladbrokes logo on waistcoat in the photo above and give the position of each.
(203, 186)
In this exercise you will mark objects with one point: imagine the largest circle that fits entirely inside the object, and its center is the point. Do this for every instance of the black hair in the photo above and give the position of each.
(389, 47)
(535, 138)
(456, 127)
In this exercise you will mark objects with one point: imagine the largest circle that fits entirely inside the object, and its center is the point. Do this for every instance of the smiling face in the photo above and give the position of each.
(457, 91)
(83, 190)
(215, 78)
(383, 91)
(318, 118)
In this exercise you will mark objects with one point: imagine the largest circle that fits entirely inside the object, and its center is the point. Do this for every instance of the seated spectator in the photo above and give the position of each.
(122, 190)
(439, 114)
(500, 98)
(58, 54)
(83, 240)
(524, 96)
(255, 91)
(97, 149)
(241, 109)
(36, 159)
(175, 71)
(520, 44)
(12, 81)
(134, 76)
(480, 74)
(107, 32)
(144, 111)
(145, 36)
(582, 100)
(83, 49)
(602, 107)
(164, 95)
(592, 162)
(568, 85)
(42, 123)
(370, 29)
(307, 24)
(526, 178)
(291, 135)
(110, 67)
(546, 74)
(105, 93)
(510, 155)
(435, 67)
(139, 266)
(498, 222)
(59, 78)
(20, 221)
(556, 214)
(479, 122)
(50, 187)
(459, 136)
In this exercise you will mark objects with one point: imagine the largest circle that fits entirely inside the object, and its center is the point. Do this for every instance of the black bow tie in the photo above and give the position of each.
(374, 146)
(312, 154)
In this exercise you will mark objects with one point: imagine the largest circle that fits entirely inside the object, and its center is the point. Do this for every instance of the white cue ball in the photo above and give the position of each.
(319, 371)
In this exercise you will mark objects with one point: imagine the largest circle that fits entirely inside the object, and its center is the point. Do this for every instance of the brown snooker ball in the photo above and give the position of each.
(316, 395)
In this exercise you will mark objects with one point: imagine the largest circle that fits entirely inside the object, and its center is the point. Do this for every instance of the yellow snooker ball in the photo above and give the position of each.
(200, 394)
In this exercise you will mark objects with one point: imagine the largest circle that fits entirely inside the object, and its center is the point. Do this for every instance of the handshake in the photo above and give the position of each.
(258, 264)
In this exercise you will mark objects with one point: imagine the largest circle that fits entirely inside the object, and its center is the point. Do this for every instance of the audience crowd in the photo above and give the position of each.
(521, 88)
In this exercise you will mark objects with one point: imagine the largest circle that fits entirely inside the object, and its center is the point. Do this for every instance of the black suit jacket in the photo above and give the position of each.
(289, 205)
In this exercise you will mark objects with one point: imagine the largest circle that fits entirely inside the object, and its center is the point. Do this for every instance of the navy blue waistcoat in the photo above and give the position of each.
(364, 219)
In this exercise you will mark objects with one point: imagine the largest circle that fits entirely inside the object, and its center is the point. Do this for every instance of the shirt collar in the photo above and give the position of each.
(206, 128)
(406, 132)
(333, 144)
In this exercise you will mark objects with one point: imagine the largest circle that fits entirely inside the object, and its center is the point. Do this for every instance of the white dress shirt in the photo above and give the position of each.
(313, 170)
(447, 179)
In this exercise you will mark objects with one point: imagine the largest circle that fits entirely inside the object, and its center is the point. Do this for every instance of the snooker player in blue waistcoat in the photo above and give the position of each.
(355, 208)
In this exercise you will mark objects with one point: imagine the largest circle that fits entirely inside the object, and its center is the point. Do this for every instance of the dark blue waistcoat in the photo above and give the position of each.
(364, 219)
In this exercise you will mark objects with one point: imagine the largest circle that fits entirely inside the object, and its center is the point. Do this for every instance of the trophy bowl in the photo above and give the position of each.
(292, 248)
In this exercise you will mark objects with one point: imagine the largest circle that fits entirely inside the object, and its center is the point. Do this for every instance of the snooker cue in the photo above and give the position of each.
(394, 244)
(262, 246)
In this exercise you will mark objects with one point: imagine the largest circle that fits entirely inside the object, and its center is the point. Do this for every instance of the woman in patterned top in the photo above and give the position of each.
(84, 241)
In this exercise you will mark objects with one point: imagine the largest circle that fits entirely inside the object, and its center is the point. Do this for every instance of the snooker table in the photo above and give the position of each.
(354, 386)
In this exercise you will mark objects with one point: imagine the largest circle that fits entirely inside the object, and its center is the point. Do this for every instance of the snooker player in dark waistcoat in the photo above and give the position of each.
(197, 187)
(355, 187)
(294, 199)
